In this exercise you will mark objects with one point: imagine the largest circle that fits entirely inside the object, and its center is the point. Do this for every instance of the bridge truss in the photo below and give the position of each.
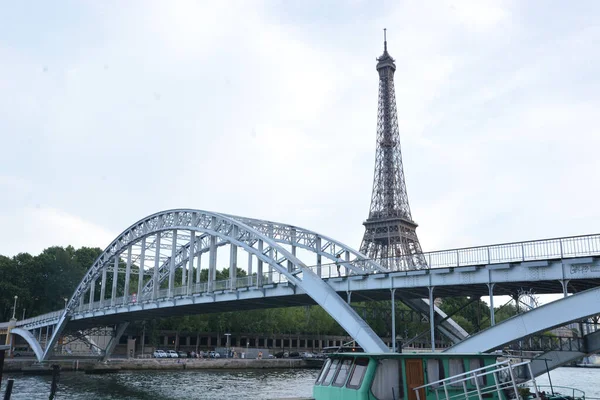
(166, 265)
(138, 272)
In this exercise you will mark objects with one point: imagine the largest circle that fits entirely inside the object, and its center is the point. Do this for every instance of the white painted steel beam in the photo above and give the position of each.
(557, 313)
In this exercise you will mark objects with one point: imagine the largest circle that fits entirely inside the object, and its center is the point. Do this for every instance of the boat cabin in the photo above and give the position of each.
(414, 376)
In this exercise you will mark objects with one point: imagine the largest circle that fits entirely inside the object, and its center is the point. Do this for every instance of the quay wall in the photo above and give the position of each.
(163, 364)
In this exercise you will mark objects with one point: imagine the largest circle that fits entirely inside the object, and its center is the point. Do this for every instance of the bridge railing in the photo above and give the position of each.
(534, 250)
(197, 288)
(41, 318)
(547, 249)
(556, 248)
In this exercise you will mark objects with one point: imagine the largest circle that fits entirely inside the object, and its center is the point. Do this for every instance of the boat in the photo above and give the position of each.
(430, 376)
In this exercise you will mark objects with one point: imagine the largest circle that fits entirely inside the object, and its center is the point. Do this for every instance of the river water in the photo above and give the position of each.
(219, 384)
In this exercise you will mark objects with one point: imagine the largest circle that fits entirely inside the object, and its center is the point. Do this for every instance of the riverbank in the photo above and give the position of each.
(133, 364)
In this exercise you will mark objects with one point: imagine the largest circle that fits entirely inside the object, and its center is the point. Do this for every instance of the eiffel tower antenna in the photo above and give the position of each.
(390, 232)
(384, 39)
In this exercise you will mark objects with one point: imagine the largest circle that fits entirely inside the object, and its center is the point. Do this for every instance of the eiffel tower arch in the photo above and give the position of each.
(390, 232)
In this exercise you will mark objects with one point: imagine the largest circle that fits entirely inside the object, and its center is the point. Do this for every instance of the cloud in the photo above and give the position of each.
(270, 111)
(34, 229)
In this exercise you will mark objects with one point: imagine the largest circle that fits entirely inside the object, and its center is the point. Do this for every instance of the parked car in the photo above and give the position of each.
(172, 354)
(182, 354)
(280, 354)
(159, 354)
(23, 352)
(214, 354)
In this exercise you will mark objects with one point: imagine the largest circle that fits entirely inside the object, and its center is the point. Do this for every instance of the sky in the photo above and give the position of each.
(111, 111)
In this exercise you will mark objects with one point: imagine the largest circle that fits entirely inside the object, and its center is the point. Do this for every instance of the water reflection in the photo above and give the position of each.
(203, 384)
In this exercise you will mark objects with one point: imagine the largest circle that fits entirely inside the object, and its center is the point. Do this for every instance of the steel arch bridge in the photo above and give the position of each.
(156, 247)
(153, 269)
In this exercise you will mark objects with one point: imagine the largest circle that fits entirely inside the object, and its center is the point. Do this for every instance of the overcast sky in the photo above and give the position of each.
(113, 110)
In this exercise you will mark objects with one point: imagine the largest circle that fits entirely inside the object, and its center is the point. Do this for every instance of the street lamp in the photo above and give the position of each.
(15, 307)
(65, 299)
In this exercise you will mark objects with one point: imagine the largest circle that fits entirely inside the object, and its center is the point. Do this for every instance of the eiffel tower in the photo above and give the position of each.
(390, 232)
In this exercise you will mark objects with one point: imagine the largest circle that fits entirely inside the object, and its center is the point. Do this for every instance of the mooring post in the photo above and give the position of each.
(55, 375)
(8, 391)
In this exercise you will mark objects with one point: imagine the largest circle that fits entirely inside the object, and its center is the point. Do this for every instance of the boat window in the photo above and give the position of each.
(332, 370)
(341, 376)
(358, 372)
(323, 371)
(435, 371)
(476, 363)
(456, 367)
(387, 383)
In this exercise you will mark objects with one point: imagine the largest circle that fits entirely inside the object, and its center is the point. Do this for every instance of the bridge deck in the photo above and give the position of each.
(544, 277)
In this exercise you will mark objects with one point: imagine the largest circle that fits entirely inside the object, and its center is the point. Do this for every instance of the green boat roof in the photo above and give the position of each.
(414, 355)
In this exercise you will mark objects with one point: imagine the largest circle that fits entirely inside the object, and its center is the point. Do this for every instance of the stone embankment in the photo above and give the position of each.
(159, 364)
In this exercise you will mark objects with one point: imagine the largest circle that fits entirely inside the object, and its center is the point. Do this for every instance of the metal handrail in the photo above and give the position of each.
(581, 393)
(475, 375)
(545, 249)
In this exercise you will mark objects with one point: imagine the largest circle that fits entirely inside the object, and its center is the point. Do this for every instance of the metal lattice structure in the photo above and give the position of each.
(156, 264)
(287, 277)
(390, 232)
(578, 307)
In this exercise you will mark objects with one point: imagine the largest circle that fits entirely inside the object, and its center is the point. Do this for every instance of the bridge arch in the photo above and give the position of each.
(235, 232)
(31, 341)
(281, 233)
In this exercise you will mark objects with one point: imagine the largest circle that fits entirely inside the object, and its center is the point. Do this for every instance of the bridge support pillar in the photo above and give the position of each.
(233, 262)
(120, 329)
(156, 284)
(393, 319)
(318, 246)
(127, 277)
(9, 337)
(212, 263)
(347, 258)
(172, 264)
(259, 271)
(103, 286)
(113, 294)
(92, 294)
(141, 270)
(492, 311)
(293, 240)
(249, 269)
(198, 268)
(270, 276)
(184, 267)
(565, 283)
(191, 256)
(431, 318)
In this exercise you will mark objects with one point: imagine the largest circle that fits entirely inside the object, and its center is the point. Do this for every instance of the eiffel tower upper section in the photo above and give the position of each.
(390, 232)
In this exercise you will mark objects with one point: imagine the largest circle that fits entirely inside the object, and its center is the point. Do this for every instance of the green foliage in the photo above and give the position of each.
(42, 282)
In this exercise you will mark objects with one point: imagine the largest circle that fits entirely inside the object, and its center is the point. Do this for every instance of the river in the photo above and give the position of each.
(218, 384)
